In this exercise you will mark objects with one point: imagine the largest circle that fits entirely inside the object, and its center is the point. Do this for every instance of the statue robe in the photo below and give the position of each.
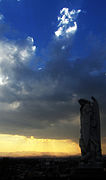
(95, 127)
(86, 113)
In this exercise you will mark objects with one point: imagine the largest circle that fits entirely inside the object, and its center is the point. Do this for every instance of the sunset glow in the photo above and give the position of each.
(16, 145)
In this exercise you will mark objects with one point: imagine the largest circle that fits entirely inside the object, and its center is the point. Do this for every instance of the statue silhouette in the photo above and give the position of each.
(90, 139)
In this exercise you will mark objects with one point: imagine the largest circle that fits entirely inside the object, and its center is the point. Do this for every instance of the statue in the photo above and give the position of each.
(90, 142)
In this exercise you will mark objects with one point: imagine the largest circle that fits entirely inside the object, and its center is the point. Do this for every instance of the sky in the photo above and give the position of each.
(51, 54)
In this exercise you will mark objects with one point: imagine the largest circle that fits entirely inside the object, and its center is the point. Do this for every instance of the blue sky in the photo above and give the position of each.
(38, 19)
(51, 54)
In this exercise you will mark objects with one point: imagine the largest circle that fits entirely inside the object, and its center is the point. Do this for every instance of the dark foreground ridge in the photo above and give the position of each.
(44, 168)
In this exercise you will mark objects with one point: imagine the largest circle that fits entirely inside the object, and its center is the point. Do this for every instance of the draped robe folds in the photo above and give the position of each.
(86, 112)
(90, 140)
(95, 131)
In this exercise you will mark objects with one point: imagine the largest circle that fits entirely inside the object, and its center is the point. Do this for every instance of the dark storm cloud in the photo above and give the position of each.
(43, 102)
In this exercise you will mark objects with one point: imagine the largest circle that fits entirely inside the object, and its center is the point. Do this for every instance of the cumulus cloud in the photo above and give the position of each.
(67, 24)
(14, 57)
(10, 51)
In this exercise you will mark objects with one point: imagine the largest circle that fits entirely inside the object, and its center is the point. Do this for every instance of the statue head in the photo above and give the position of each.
(82, 102)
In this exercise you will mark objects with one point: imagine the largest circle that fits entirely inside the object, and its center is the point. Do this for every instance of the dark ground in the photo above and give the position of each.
(42, 168)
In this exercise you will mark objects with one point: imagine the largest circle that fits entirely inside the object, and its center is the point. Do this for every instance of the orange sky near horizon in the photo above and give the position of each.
(16, 145)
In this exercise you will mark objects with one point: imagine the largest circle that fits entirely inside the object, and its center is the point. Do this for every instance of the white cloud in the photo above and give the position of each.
(72, 29)
(1, 17)
(67, 22)
(29, 49)
(12, 55)
(9, 51)
(59, 31)
(63, 47)
(24, 54)
(30, 39)
(3, 80)
(14, 105)
(9, 106)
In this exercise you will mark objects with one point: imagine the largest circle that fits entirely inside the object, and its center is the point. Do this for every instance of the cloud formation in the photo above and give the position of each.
(43, 101)
(67, 24)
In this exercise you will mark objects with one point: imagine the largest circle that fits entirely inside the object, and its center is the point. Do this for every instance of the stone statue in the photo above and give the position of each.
(90, 142)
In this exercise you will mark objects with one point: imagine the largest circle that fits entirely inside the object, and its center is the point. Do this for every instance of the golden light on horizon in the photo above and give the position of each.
(16, 145)
(23, 146)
